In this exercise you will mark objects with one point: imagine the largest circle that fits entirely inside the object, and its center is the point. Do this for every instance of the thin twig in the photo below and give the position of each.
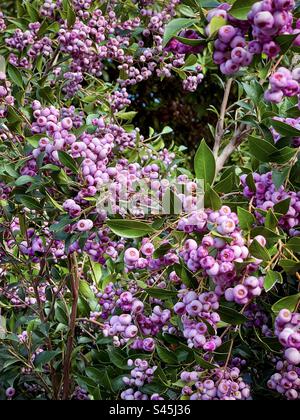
(75, 281)
(239, 135)
(220, 125)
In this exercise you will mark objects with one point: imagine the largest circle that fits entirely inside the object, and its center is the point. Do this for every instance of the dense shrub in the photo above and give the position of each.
(150, 205)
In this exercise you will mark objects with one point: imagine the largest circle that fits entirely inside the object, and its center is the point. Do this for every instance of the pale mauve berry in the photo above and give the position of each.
(226, 33)
(85, 225)
(132, 255)
(10, 392)
(292, 355)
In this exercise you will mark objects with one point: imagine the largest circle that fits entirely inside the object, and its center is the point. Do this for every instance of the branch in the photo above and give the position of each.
(220, 125)
(239, 135)
(75, 281)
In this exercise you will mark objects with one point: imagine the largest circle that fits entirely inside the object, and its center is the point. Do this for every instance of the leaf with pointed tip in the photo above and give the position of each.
(130, 228)
(205, 164)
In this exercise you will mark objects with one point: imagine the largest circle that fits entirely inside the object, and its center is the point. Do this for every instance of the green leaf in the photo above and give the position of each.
(289, 302)
(23, 180)
(46, 357)
(190, 61)
(246, 219)
(162, 250)
(253, 90)
(192, 42)
(15, 75)
(32, 12)
(279, 177)
(269, 234)
(216, 24)
(95, 374)
(186, 10)
(205, 164)
(128, 116)
(68, 13)
(34, 140)
(271, 279)
(166, 356)
(208, 4)
(55, 203)
(294, 244)
(250, 182)
(258, 251)
(96, 272)
(271, 221)
(50, 167)
(285, 41)
(71, 16)
(241, 8)
(231, 316)
(187, 278)
(212, 199)
(269, 343)
(130, 228)
(67, 161)
(261, 149)
(117, 357)
(85, 290)
(226, 185)
(57, 227)
(167, 130)
(282, 207)
(283, 155)
(203, 363)
(61, 313)
(30, 202)
(175, 26)
(162, 294)
(284, 129)
(290, 266)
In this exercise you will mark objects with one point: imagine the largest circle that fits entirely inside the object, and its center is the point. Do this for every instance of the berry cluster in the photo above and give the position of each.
(258, 318)
(49, 7)
(119, 100)
(2, 22)
(6, 98)
(242, 294)
(80, 394)
(140, 375)
(283, 83)
(5, 191)
(95, 27)
(231, 50)
(221, 384)
(267, 195)
(13, 295)
(135, 259)
(197, 312)
(133, 324)
(239, 41)
(269, 19)
(228, 251)
(287, 329)
(28, 40)
(107, 301)
(286, 381)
